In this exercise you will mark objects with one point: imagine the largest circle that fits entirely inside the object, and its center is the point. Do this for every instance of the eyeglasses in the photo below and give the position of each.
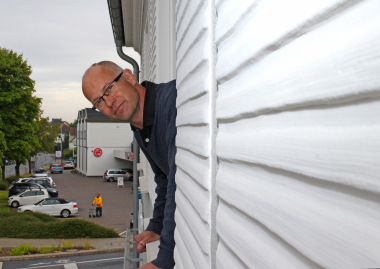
(100, 103)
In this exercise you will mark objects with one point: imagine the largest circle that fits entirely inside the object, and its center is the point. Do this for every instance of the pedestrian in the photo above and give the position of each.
(151, 110)
(99, 205)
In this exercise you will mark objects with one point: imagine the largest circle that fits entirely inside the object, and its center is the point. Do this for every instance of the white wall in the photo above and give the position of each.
(298, 149)
(195, 130)
(278, 125)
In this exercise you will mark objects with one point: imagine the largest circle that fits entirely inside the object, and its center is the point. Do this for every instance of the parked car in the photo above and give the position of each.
(42, 181)
(17, 188)
(40, 172)
(56, 168)
(52, 206)
(48, 178)
(27, 197)
(113, 174)
(68, 164)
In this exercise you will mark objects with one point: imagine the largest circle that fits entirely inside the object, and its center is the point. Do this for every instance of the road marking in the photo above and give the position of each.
(54, 265)
(122, 233)
(71, 266)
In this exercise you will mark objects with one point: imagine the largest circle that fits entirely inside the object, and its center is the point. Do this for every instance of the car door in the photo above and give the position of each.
(47, 207)
(28, 198)
(57, 208)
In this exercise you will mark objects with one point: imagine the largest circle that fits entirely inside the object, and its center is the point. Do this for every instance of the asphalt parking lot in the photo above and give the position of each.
(117, 202)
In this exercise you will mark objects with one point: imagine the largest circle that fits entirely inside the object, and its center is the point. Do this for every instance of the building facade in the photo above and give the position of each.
(278, 128)
(100, 141)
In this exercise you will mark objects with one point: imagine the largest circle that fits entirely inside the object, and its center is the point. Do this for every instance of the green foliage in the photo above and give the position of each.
(66, 142)
(37, 225)
(67, 153)
(67, 244)
(19, 109)
(74, 123)
(87, 245)
(3, 185)
(44, 250)
(11, 179)
(22, 250)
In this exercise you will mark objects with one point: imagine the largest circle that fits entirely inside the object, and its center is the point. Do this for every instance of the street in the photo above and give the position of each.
(42, 159)
(107, 261)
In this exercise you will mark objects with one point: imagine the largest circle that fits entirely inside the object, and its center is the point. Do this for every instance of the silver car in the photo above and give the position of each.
(113, 174)
(68, 164)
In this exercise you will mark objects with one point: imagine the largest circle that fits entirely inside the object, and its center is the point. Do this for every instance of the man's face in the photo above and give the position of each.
(97, 195)
(123, 99)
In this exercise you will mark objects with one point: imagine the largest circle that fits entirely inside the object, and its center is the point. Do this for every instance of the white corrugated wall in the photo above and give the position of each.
(298, 147)
(195, 128)
(293, 179)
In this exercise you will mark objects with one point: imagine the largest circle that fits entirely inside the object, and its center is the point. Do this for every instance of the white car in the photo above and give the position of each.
(52, 206)
(40, 172)
(68, 164)
(27, 197)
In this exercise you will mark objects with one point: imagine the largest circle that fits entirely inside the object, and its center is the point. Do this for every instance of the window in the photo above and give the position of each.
(40, 193)
(29, 193)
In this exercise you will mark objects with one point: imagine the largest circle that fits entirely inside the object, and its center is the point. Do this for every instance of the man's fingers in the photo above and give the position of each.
(141, 246)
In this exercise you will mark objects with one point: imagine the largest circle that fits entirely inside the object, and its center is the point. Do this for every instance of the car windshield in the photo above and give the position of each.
(37, 185)
(39, 202)
(56, 165)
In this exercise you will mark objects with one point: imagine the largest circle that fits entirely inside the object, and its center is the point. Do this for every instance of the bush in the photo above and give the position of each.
(21, 250)
(37, 225)
(11, 179)
(3, 185)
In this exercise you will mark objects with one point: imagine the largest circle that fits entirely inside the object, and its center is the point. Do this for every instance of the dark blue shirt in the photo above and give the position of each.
(157, 141)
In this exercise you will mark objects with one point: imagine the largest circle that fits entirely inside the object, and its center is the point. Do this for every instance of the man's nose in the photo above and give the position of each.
(109, 99)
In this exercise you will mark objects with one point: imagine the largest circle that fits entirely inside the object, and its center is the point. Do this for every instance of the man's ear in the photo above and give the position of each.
(128, 75)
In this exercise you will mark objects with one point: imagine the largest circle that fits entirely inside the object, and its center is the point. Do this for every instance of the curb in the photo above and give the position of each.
(57, 255)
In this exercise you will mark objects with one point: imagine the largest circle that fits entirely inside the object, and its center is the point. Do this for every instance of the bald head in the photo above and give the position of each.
(106, 66)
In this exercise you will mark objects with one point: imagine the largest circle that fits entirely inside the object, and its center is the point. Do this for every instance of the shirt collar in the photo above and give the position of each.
(149, 104)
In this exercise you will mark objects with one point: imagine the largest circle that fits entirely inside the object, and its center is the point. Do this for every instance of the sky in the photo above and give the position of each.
(60, 40)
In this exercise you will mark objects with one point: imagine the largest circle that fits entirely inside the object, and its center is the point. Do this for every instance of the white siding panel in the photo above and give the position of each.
(332, 225)
(199, 228)
(197, 196)
(187, 19)
(196, 53)
(195, 139)
(178, 259)
(226, 259)
(194, 112)
(199, 258)
(254, 244)
(196, 166)
(339, 144)
(244, 31)
(194, 84)
(329, 64)
(182, 252)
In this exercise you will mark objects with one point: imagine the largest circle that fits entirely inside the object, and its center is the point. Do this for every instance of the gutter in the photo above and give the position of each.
(116, 17)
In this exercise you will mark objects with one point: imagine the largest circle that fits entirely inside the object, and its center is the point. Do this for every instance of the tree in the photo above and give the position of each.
(74, 123)
(19, 109)
(46, 135)
(66, 142)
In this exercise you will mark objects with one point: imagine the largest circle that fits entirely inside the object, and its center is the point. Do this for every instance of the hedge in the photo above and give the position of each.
(37, 225)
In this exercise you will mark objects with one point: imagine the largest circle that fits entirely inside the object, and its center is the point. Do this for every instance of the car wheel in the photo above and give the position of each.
(61, 172)
(65, 213)
(15, 204)
(111, 179)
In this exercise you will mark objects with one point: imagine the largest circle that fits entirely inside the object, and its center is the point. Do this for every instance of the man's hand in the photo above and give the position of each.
(144, 238)
(149, 266)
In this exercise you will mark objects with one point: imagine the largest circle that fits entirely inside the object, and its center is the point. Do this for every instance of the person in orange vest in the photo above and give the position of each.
(99, 205)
